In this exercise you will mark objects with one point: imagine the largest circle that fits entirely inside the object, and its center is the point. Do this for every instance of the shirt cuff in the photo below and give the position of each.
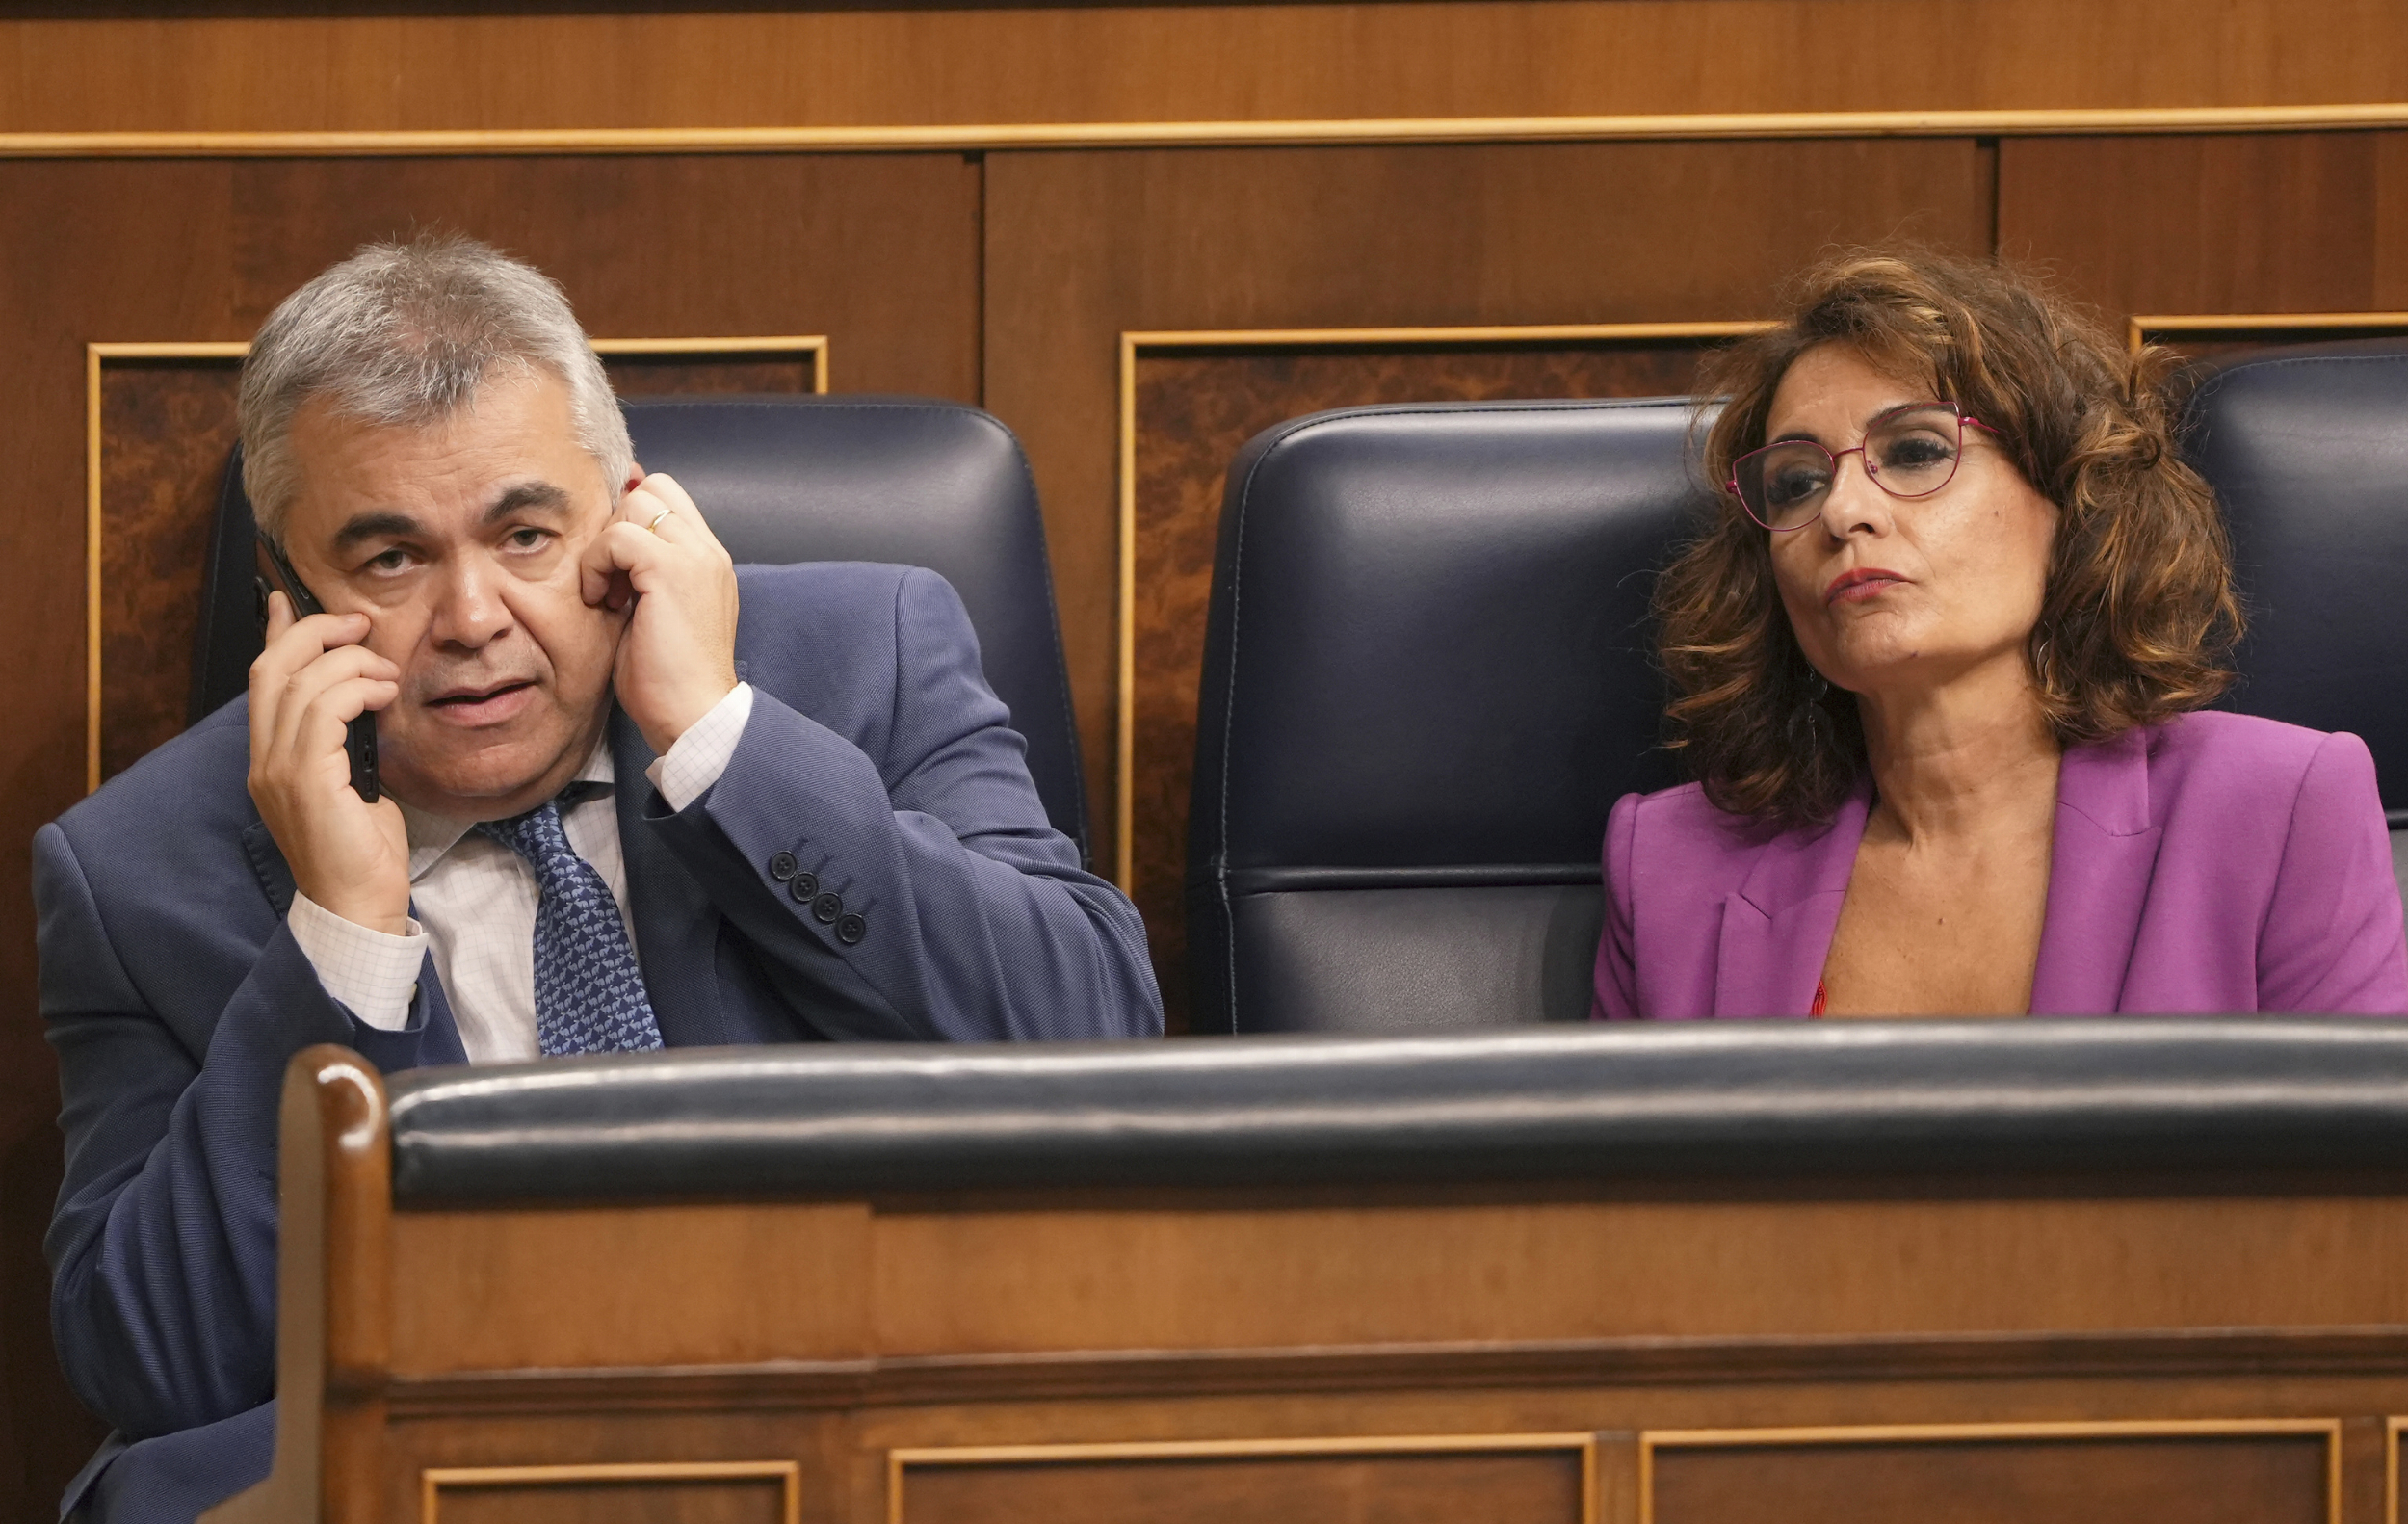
(702, 753)
(373, 973)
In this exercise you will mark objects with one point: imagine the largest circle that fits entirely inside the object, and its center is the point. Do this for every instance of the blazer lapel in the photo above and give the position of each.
(677, 923)
(275, 880)
(2102, 855)
(1777, 925)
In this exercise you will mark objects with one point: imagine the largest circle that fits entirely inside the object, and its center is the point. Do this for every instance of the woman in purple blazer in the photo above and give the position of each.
(1939, 667)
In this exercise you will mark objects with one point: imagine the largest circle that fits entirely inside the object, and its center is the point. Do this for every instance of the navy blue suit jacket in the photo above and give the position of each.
(876, 754)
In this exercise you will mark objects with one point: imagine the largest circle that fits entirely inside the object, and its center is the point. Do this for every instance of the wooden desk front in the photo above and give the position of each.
(1878, 1348)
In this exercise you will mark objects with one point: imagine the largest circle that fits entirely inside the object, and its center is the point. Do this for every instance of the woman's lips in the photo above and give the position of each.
(1860, 585)
(490, 707)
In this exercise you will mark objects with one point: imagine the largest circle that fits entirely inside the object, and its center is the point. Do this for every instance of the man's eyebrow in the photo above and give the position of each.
(386, 525)
(540, 497)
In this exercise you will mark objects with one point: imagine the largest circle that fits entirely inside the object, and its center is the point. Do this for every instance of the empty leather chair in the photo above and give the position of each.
(1428, 674)
(2308, 449)
(788, 479)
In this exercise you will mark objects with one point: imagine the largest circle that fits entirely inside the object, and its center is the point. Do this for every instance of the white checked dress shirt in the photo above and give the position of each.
(476, 900)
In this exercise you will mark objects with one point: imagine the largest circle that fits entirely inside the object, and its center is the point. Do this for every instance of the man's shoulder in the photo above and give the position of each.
(843, 619)
(187, 787)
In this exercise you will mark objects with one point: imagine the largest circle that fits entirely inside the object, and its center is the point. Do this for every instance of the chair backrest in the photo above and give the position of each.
(789, 478)
(2308, 450)
(1428, 673)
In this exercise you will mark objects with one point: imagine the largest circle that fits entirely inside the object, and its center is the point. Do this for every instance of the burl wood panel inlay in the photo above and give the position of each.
(166, 430)
(167, 427)
(1535, 1487)
(2223, 1479)
(1195, 409)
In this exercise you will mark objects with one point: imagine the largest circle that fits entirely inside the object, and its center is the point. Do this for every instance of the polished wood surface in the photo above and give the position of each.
(1139, 63)
(811, 1265)
(1872, 1350)
(2293, 223)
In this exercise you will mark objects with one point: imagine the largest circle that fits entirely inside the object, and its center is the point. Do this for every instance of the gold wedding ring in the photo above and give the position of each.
(655, 526)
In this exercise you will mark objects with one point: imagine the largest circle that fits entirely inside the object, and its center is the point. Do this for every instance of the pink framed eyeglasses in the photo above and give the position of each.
(1909, 452)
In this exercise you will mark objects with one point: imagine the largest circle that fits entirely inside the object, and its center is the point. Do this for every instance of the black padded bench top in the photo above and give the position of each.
(1728, 1099)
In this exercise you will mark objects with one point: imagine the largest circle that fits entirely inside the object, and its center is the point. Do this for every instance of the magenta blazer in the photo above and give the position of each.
(2214, 863)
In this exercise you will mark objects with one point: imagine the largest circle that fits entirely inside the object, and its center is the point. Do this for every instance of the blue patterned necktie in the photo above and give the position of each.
(588, 993)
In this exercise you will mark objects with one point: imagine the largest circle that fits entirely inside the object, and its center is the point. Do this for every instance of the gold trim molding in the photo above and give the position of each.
(980, 136)
(1583, 1445)
(788, 1473)
(1134, 345)
(98, 356)
(1652, 1440)
(2140, 330)
(2391, 1428)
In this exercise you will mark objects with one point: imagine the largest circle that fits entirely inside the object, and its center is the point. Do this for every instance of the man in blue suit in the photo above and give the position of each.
(635, 796)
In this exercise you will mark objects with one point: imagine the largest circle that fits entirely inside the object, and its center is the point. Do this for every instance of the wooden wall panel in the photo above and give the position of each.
(880, 253)
(1194, 410)
(1539, 1487)
(2065, 1480)
(2281, 223)
(579, 1498)
(1084, 246)
(166, 428)
(2101, 1478)
(1145, 62)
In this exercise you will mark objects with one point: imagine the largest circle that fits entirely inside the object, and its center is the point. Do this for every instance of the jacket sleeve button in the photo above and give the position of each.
(804, 887)
(851, 928)
(828, 908)
(782, 866)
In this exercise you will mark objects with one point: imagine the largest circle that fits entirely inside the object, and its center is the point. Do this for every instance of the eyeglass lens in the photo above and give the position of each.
(1908, 453)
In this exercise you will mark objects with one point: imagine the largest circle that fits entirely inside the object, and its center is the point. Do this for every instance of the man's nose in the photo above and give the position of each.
(469, 611)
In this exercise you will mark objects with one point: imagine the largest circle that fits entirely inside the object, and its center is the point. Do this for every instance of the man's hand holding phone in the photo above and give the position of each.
(350, 856)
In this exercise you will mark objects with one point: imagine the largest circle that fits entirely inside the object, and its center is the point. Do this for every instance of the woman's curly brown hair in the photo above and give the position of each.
(2139, 613)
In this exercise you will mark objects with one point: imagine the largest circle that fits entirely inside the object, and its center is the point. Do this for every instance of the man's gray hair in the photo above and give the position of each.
(405, 333)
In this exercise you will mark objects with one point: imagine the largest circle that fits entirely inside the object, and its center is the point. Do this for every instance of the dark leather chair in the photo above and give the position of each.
(790, 479)
(1427, 676)
(2308, 449)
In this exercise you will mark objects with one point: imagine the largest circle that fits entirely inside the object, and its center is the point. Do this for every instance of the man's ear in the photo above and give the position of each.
(635, 478)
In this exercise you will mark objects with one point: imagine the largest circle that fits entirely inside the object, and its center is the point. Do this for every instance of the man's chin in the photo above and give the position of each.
(483, 782)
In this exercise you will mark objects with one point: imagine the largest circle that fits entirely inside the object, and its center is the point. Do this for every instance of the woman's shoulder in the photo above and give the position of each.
(2213, 746)
(2216, 762)
(1682, 825)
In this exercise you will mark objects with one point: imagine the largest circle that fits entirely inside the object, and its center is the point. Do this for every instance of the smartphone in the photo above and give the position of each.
(359, 737)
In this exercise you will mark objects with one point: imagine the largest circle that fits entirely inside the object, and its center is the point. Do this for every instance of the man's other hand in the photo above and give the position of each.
(677, 658)
(348, 855)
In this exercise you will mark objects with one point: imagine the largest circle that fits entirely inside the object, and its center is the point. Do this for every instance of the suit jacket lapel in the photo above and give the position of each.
(1777, 925)
(2104, 853)
(275, 880)
(677, 923)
